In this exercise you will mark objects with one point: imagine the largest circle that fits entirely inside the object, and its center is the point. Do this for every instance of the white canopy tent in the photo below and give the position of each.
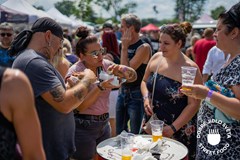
(205, 21)
(25, 7)
(59, 17)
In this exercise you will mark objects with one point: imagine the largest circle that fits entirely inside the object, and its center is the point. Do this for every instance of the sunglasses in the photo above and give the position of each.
(167, 28)
(102, 51)
(6, 34)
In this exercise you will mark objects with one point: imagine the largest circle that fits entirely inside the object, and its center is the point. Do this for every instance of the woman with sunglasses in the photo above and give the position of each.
(92, 117)
(175, 109)
(220, 108)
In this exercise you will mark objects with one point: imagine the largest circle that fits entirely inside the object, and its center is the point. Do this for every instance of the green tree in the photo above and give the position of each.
(217, 11)
(67, 8)
(117, 6)
(85, 11)
(189, 10)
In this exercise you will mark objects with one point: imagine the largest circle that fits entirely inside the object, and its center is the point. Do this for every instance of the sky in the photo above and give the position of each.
(144, 9)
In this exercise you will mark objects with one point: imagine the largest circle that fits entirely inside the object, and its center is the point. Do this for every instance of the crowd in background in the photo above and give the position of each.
(54, 89)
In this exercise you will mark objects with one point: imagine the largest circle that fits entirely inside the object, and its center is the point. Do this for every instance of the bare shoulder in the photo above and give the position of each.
(15, 77)
(190, 62)
(155, 59)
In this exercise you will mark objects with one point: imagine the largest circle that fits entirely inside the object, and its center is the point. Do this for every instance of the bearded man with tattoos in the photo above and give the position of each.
(36, 51)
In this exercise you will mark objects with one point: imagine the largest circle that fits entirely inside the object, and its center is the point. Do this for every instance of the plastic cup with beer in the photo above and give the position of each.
(157, 128)
(127, 145)
(188, 76)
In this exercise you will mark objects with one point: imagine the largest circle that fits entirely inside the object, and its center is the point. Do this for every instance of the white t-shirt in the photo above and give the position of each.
(215, 60)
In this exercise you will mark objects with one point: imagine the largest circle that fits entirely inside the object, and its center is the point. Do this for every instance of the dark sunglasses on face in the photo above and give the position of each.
(102, 51)
(6, 34)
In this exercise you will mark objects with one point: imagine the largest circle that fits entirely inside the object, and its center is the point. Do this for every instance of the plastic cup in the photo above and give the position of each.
(127, 145)
(188, 76)
(157, 128)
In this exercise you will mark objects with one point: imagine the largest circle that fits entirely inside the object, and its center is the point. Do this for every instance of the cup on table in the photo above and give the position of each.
(188, 75)
(127, 145)
(157, 128)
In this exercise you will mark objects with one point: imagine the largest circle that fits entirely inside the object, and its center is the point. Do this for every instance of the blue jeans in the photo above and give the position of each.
(88, 134)
(129, 107)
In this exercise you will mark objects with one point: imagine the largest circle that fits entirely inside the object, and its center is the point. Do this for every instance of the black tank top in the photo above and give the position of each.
(8, 136)
(141, 69)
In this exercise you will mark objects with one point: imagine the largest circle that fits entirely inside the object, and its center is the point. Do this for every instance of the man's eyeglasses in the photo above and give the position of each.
(6, 34)
(102, 51)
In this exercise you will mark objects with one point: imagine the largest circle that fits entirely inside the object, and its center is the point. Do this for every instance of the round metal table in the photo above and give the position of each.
(110, 149)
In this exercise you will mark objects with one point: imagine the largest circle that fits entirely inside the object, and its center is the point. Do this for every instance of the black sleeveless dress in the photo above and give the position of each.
(168, 104)
(8, 136)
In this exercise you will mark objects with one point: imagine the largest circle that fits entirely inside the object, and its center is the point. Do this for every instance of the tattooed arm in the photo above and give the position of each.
(123, 71)
(66, 100)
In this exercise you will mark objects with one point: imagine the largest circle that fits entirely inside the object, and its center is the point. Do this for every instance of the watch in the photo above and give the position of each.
(99, 85)
(209, 95)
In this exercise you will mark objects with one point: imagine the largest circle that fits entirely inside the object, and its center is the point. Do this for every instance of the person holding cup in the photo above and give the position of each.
(220, 108)
(161, 84)
(91, 116)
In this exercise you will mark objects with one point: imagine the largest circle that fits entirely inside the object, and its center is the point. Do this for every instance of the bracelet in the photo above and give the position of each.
(145, 97)
(209, 95)
(99, 85)
(173, 128)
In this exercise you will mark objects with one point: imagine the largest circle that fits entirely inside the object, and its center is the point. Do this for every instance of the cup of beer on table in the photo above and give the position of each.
(157, 128)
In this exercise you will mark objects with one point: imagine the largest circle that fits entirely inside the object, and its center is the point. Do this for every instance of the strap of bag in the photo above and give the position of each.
(154, 81)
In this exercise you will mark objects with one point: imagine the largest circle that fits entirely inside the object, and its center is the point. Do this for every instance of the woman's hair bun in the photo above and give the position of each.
(186, 26)
(82, 32)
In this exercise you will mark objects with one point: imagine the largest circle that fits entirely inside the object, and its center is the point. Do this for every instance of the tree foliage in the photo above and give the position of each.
(66, 7)
(189, 10)
(116, 6)
(217, 11)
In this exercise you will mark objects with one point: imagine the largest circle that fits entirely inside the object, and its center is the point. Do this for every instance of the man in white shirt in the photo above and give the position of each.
(215, 60)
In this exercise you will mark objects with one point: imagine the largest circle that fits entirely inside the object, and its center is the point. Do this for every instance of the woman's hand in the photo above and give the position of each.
(147, 107)
(167, 131)
(195, 91)
(107, 84)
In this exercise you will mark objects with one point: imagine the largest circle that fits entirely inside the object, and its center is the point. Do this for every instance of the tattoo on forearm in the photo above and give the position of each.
(131, 75)
(58, 93)
(79, 93)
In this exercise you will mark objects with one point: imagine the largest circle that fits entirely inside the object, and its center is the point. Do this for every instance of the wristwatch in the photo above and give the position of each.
(99, 85)
(209, 95)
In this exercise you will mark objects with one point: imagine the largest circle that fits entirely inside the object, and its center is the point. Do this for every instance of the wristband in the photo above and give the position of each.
(173, 128)
(209, 95)
(99, 85)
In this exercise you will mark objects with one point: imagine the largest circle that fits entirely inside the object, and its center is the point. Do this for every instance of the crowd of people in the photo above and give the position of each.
(55, 106)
